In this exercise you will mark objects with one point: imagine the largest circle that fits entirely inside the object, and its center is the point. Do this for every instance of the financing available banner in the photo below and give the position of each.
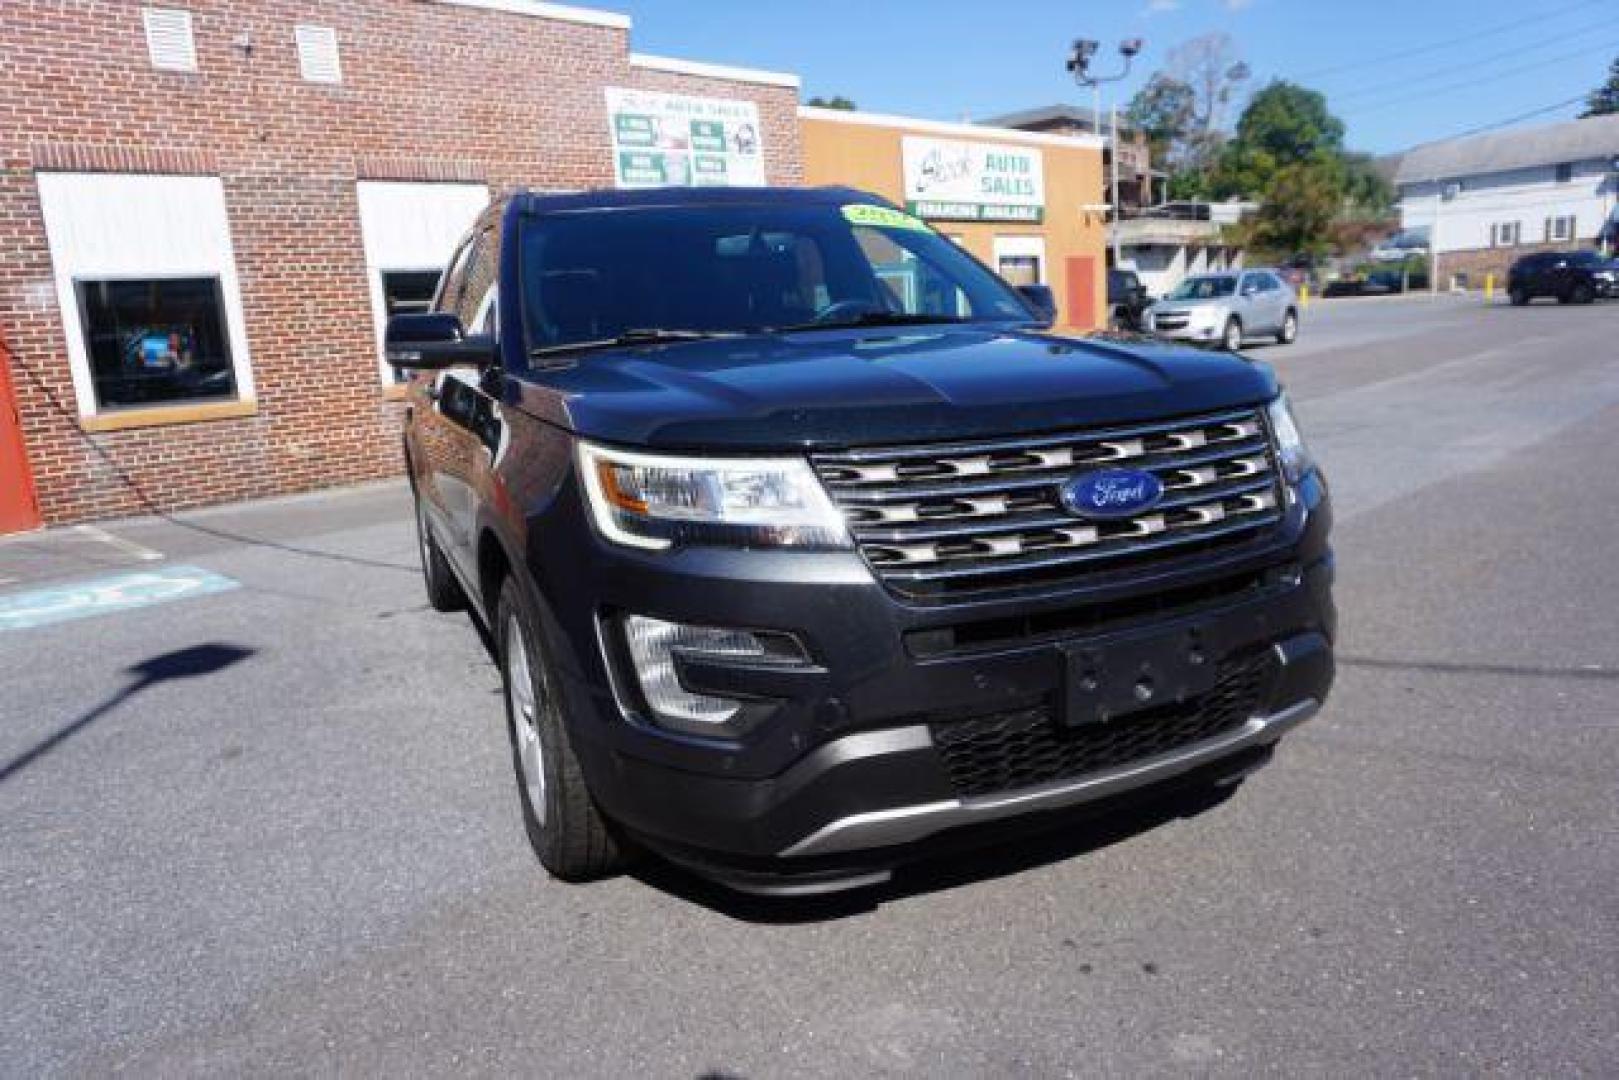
(673, 140)
(951, 180)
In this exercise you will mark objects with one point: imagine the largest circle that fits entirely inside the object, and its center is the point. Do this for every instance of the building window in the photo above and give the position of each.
(317, 54)
(408, 292)
(1019, 269)
(1506, 234)
(169, 41)
(1020, 260)
(148, 292)
(1560, 229)
(410, 230)
(1565, 173)
(158, 341)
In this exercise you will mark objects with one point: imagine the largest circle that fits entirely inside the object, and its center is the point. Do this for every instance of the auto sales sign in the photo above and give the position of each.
(948, 180)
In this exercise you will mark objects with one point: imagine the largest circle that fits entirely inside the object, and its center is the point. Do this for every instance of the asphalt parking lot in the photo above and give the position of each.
(256, 812)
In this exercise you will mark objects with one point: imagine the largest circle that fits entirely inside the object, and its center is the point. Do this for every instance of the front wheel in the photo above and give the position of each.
(1231, 338)
(1289, 333)
(1582, 293)
(1518, 296)
(566, 830)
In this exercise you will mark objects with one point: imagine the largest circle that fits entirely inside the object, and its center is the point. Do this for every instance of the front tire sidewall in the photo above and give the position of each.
(1231, 338)
(1290, 329)
(566, 830)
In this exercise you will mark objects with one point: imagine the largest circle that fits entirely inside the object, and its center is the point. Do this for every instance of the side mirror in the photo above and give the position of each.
(1041, 302)
(432, 341)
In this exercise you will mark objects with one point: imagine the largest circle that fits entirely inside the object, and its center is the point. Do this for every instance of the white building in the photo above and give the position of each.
(1484, 200)
(1169, 243)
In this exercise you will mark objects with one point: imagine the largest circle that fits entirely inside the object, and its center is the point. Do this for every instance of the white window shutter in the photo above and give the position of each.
(317, 54)
(169, 40)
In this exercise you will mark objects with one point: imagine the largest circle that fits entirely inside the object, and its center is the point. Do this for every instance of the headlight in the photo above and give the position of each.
(1290, 448)
(655, 501)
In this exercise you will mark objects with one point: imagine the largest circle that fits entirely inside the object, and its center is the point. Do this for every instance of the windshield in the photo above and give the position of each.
(1204, 288)
(598, 275)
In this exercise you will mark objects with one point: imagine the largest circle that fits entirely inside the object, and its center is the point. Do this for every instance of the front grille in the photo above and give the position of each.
(946, 518)
(993, 754)
(1171, 322)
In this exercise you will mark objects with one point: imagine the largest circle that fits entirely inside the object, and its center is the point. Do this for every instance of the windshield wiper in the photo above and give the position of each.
(872, 318)
(649, 336)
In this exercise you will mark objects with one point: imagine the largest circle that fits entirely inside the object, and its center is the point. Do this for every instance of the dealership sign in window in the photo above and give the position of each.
(675, 140)
(973, 181)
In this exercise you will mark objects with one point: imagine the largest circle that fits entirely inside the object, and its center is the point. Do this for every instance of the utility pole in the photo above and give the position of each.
(1113, 130)
(1433, 237)
(1079, 64)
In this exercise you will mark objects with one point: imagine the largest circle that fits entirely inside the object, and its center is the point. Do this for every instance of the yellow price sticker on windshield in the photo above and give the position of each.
(881, 217)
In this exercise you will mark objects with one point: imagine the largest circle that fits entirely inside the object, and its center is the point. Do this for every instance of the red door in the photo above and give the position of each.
(1082, 292)
(18, 510)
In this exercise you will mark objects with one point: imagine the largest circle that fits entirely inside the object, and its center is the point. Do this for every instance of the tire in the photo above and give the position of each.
(1289, 333)
(1518, 297)
(1231, 336)
(568, 833)
(443, 590)
(1581, 293)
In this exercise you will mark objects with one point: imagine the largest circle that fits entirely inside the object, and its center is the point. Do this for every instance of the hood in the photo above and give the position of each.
(1163, 306)
(873, 387)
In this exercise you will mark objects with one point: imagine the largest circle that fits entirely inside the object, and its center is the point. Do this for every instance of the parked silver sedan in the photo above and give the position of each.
(1227, 309)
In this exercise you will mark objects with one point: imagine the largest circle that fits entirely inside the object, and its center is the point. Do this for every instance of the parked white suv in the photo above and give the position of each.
(1227, 309)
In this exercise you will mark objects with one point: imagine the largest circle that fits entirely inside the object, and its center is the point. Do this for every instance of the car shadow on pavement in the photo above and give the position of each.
(1057, 838)
(165, 667)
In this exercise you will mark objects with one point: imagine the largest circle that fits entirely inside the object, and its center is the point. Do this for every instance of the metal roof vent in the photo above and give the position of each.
(169, 40)
(317, 54)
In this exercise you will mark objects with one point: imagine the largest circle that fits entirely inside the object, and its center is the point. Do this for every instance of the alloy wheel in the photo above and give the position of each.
(525, 712)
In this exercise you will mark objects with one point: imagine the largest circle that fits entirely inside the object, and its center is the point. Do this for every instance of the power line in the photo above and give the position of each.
(1530, 115)
(1467, 84)
(1421, 50)
(1441, 72)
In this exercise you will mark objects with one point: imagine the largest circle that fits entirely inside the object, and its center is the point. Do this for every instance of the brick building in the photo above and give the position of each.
(208, 207)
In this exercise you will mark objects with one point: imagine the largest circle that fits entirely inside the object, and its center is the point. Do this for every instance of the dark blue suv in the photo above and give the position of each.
(808, 550)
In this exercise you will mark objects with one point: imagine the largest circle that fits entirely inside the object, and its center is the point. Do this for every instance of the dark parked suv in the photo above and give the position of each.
(1127, 300)
(1574, 277)
(807, 551)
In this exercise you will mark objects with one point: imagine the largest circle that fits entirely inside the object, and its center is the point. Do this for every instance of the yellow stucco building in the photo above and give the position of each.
(1028, 205)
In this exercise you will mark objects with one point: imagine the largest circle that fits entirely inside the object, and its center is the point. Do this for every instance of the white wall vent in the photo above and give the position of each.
(317, 54)
(169, 40)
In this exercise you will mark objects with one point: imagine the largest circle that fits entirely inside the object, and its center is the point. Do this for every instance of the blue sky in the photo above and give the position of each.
(946, 59)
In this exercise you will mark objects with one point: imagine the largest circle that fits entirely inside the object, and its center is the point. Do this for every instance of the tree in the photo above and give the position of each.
(1162, 111)
(1604, 100)
(837, 101)
(1300, 207)
(1212, 67)
(1283, 125)
(1367, 192)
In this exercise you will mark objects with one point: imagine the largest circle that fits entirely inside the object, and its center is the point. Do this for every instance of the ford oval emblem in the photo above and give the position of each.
(1112, 493)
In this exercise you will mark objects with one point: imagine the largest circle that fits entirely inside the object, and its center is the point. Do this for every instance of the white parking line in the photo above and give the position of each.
(128, 547)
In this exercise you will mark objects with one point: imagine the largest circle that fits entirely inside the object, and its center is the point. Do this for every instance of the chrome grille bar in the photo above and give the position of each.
(947, 514)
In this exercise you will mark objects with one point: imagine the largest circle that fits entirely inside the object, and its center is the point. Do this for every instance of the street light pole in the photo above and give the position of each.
(1079, 63)
(1113, 130)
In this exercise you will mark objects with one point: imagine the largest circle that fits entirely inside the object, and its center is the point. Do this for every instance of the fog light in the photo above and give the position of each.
(653, 644)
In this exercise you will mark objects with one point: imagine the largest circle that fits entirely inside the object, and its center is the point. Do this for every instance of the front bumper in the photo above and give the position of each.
(847, 777)
(1197, 333)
